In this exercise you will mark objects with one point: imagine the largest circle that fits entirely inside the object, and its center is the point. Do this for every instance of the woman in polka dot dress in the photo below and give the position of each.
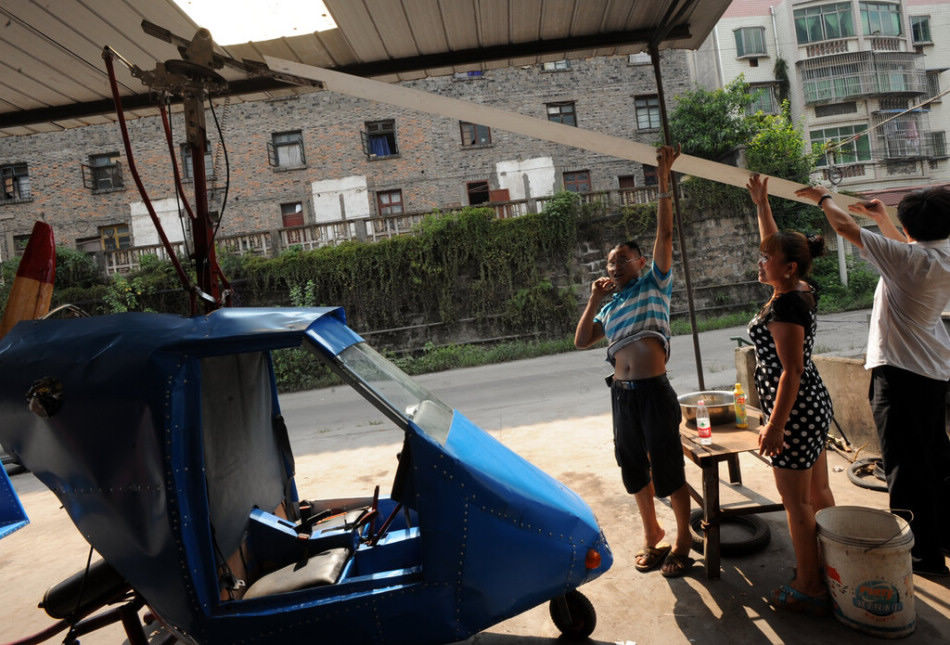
(792, 396)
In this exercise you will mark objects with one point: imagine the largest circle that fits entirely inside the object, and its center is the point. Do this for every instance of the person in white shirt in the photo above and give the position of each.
(909, 357)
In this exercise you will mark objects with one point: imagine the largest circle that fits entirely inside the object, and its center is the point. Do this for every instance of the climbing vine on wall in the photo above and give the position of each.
(461, 265)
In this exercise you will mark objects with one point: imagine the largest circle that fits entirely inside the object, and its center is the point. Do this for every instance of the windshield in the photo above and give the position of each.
(394, 386)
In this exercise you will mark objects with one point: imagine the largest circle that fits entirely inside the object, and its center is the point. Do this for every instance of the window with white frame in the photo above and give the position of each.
(556, 65)
(933, 84)
(648, 112)
(16, 183)
(852, 152)
(763, 100)
(750, 41)
(938, 141)
(920, 30)
(824, 22)
(285, 150)
(881, 18)
(640, 58)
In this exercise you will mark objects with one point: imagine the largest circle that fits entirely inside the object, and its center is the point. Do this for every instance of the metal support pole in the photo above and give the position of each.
(655, 58)
(202, 227)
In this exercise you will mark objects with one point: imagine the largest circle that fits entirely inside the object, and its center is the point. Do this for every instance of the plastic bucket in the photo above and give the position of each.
(867, 565)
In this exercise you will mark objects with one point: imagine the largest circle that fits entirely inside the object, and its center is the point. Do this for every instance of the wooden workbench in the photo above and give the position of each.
(728, 442)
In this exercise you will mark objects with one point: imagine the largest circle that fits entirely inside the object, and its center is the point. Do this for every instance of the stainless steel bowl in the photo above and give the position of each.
(718, 402)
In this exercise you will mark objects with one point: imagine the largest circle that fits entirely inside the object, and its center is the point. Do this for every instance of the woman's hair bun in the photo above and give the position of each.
(816, 245)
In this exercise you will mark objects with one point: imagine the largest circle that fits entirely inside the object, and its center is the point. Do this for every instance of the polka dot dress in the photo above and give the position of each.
(807, 425)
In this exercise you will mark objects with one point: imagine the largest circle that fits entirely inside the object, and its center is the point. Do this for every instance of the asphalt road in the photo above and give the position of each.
(543, 389)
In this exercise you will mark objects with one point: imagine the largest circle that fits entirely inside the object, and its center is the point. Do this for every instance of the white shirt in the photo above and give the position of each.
(907, 329)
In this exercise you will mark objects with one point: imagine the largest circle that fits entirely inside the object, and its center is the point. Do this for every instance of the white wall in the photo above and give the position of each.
(143, 230)
(539, 171)
(327, 203)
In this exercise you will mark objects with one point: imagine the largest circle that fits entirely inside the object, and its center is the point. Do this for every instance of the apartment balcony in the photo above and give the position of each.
(860, 75)
(907, 136)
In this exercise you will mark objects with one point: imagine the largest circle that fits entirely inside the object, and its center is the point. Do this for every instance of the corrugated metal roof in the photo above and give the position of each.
(52, 75)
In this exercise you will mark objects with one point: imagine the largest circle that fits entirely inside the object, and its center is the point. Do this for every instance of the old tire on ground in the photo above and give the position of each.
(755, 533)
(868, 473)
(574, 615)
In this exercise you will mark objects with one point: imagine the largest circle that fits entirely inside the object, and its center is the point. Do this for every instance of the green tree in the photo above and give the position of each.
(710, 124)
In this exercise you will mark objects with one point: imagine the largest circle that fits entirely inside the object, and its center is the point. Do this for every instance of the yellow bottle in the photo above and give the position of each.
(739, 396)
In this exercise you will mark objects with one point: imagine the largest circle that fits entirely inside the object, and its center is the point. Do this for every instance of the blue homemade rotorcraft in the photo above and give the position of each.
(163, 438)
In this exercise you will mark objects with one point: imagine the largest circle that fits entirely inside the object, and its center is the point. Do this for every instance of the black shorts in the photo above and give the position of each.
(646, 435)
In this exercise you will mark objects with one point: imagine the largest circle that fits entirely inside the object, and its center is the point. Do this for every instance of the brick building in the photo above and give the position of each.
(319, 157)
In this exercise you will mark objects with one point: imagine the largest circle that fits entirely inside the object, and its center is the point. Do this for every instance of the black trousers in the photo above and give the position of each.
(910, 414)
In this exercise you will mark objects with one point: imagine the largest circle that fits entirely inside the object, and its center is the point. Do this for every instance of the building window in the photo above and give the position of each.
(893, 103)
(648, 112)
(562, 113)
(477, 192)
(556, 65)
(641, 58)
(627, 181)
(835, 109)
(649, 176)
(188, 168)
(920, 30)
(103, 173)
(379, 139)
(475, 135)
(16, 183)
(19, 244)
(115, 237)
(577, 181)
(933, 85)
(389, 202)
(938, 141)
(824, 22)
(291, 214)
(881, 19)
(750, 41)
(851, 152)
(285, 150)
(763, 100)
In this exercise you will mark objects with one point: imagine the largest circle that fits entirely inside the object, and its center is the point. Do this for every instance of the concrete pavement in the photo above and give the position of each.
(554, 412)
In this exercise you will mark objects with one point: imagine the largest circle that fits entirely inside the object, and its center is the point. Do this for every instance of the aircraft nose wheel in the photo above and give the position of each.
(574, 615)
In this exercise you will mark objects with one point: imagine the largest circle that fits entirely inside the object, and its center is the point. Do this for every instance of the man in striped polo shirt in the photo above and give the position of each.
(635, 319)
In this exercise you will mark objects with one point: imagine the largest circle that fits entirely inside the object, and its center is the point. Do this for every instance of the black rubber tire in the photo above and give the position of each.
(759, 534)
(868, 473)
(580, 619)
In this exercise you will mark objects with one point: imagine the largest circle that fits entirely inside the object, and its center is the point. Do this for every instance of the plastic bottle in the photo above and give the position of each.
(739, 396)
(702, 423)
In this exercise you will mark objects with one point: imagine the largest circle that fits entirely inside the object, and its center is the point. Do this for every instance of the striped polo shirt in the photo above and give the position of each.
(642, 308)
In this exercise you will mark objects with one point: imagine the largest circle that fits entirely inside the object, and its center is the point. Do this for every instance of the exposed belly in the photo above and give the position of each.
(644, 358)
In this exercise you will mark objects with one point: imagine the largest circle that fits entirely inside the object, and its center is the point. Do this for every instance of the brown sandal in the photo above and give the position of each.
(678, 565)
(651, 557)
